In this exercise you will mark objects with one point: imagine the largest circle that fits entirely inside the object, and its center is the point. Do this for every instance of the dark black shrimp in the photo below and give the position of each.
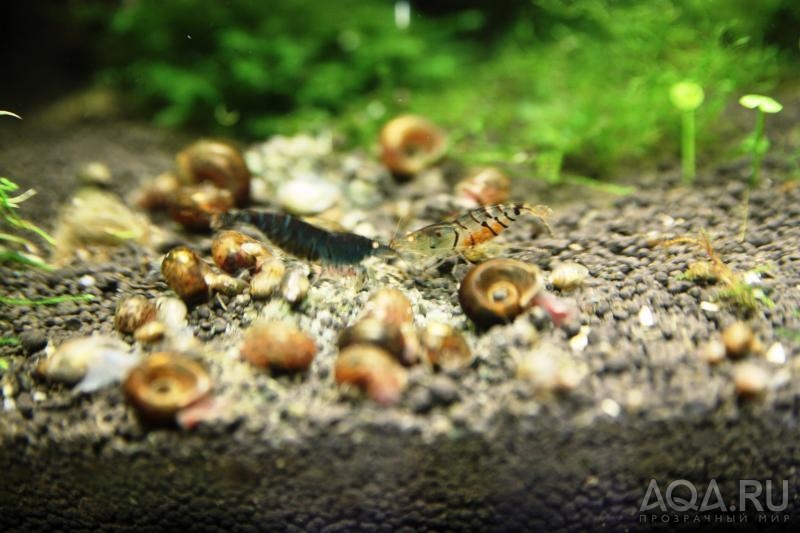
(305, 240)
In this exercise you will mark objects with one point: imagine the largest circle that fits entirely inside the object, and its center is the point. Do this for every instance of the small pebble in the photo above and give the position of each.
(712, 352)
(738, 339)
(776, 354)
(646, 318)
(568, 276)
(268, 280)
(610, 407)
(33, 341)
(750, 379)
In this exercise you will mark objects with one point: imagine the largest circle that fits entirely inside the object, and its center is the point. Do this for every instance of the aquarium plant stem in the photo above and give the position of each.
(688, 147)
(758, 153)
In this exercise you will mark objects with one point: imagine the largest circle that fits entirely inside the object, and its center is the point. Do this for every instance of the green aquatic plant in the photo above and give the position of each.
(687, 96)
(50, 300)
(522, 78)
(11, 242)
(735, 289)
(756, 143)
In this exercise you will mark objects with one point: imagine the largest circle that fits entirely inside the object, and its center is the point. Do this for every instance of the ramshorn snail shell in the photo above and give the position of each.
(372, 370)
(278, 346)
(498, 290)
(219, 163)
(133, 312)
(163, 384)
(185, 273)
(486, 186)
(410, 144)
(233, 251)
(193, 206)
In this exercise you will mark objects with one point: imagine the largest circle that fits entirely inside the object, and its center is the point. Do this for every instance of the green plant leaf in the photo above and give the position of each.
(765, 104)
(686, 95)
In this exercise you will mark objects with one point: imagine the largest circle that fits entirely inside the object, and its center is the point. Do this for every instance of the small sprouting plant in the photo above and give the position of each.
(687, 96)
(9, 217)
(736, 290)
(756, 143)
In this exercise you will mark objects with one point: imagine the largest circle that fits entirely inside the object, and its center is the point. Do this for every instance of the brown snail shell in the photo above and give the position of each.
(739, 340)
(486, 186)
(165, 383)
(279, 346)
(193, 206)
(389, 306)
(217, 162)
(498, 290)
(445, 347)
(374, 332)
(372, 370)
(185, 273)
(233, 251)
(158, 193)
(410, 144)
(133, 312)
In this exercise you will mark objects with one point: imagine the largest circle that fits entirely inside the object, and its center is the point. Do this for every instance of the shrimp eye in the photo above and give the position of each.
(438, 233)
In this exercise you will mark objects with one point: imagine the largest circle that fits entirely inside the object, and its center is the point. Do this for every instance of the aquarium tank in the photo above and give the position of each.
(385, 265)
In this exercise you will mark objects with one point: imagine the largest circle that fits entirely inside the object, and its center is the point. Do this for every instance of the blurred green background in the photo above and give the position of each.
(579, 83)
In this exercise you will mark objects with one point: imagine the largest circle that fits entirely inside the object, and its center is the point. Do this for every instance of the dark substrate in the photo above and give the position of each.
(476, 450)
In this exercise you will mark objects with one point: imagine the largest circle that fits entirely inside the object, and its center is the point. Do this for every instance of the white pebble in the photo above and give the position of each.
(646, 318)
(610, 407)
(580, 340)
(709, 306)
(776, 354)
(307, 196)
(86, 281)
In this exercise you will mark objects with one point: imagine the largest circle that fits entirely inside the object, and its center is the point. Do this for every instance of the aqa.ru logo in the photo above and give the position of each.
(749, 490)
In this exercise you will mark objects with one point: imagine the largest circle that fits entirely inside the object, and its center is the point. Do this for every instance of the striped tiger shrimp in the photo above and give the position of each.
(461, 234)
(307, 241)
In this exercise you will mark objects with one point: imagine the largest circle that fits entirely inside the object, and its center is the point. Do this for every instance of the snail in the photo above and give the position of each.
(185, 273)
(193, 279)
(486, 186)
(410, 144)
(444, 346)
(219, 163)
(193, 206)
(233, 251)
(164, 384)
(498, 290)
(133, 312)
(372, 370)
(376, 333)
(279, 346)
(389, 306)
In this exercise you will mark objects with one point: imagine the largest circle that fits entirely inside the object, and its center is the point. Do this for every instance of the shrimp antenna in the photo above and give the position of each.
(396, 231)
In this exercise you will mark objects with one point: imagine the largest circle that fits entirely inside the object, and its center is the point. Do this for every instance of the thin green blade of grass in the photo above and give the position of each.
(52, 300)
